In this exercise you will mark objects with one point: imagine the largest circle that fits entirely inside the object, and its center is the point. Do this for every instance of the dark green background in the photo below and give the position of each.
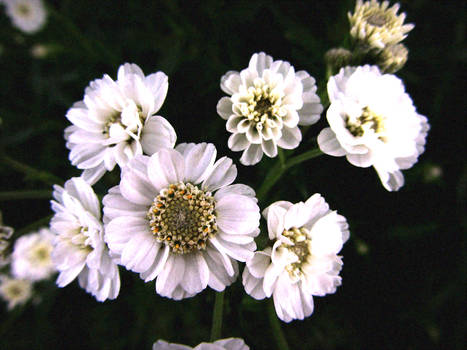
(406, 292)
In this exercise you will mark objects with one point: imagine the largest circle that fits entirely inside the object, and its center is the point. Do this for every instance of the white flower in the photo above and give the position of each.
(303, 260)
(176, 216)
(79, 247)
(27, 15)
(222, 344)
(268, 101)
(115, 121)
(15, 291)
(31, 258)
(377, 26)
(373, 123)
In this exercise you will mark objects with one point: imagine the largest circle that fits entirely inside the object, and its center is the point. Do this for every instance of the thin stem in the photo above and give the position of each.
(40, 175)
(216, 328)
(27, 194)
(279, 169)
(281, 341)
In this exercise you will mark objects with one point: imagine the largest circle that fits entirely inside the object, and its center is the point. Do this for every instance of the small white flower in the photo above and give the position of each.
(31, 258)
(303, 260)
(176, 216)
(27, 15)
(377, 26)
(373, 123)
(79, 247)
(116, 120)
(222, 344)
(15, 291)
(268, 101)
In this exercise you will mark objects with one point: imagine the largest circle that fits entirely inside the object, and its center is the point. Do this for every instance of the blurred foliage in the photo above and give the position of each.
(405, 267)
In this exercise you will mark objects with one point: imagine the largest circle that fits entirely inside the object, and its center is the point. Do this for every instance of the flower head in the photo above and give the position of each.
(393, 58)
(176, 216)
(268, 101)
(27, 15)
(31, 258)
(79, 247)
(15, 291)
(303, 260)
(375, 25)
(222, 344)
(5, 234)
(373, 123)
(116, 120)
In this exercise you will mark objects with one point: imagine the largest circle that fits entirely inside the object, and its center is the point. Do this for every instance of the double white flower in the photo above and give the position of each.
(116, 120)
(373, 122)
(176, 216)
(303, 260)
(79, 247)
(268, 101)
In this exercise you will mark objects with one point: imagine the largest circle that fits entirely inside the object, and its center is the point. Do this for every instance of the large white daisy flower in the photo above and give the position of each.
(303, 260)
(27, 15)
(268, 101)
(176, 216)
(115, 121)
(31, 258)
(373, 123)
(79, 247)
(222, 344)
(15, 291)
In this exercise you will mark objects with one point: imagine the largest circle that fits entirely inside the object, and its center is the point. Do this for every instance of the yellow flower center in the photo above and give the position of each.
(183, 217)
(368, 120)
(301, 247)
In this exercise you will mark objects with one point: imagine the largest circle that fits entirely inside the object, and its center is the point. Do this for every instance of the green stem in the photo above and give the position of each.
(279, 169)
(27, 194)
(281, 342)
(216, 328)
(43, 176)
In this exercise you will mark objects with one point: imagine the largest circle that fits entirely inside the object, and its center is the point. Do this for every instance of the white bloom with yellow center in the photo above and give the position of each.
(27, 15)
(377, 26)
(268, 101)
(31, 258)
(373, 123)
(221, 344)
(15, 291)
(176, 216)
(116, 121)
(79, 247)
(303, 260)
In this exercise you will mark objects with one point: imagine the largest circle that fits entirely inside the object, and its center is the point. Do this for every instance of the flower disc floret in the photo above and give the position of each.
(183, 217)
(268, 101)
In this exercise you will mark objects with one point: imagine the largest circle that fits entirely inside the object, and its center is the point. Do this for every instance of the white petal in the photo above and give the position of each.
(166, 167)
(135, 185)
(224, 107)
(290, 139)
(223, 173)
(234, 189)
(329, 144)
(158, 84)
(230, 82)
(157, 134)
(259, 62)
(238, 142)
(275, 219)
(251, 155)
(199, 161)
(196, 275)
(171, 276)
(236, 214)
